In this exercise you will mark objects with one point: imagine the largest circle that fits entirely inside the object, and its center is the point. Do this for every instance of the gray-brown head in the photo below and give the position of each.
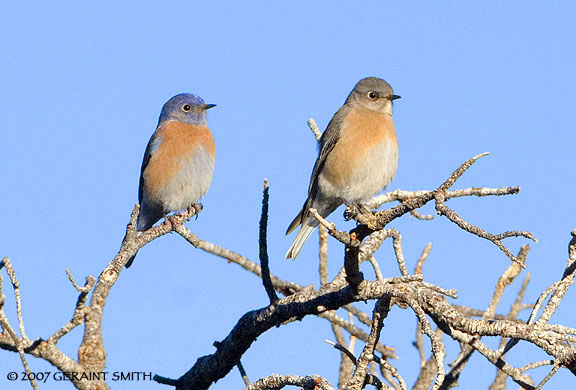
(374, 94)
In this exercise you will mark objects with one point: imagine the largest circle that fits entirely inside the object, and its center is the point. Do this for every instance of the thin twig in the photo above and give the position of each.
(438, 350)
(397, 244)
(355, 332)
(20, 343)
(419, 344)
(385, 366)
(422, 259)
(351, 261)
(416, 214)
(547, 377)
(370, 378)
(542, 363)
(363, 317)
(343, 349)
(378, 220)
(563, 285)
(376, 267)
(79, 311)
(381, 310)
(266, 281)
(243, 373)
(444, 210)
(353, 339)
(540, 301)
(339, 235)
(314, 128)
(402, 195)
(346, 365)
(323, 254)
(165, 381)
(506, 279)
(493, 357)
(517, 307)
(16, 285)
(283, 286)
(87, 285)
(322, 233)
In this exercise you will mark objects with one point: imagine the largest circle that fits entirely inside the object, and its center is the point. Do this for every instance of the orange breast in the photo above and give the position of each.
(179, 142)
(363, 130)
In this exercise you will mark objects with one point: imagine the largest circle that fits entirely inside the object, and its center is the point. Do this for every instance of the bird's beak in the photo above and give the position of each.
(209, 106)
(394, 97)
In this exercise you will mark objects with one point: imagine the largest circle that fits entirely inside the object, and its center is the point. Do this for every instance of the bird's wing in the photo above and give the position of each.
(151, 148)
(327, 142)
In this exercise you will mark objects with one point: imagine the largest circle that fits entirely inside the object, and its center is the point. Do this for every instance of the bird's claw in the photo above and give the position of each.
(195, 208)
(351, 212)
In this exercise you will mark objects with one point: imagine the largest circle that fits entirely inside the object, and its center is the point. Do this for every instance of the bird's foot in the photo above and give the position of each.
(353, 210)
(195, 208)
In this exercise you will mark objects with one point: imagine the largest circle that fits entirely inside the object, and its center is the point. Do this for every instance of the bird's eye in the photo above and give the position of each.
(186, 107)
(372, 95)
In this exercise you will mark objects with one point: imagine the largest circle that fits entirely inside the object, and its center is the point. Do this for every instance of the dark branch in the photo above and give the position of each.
(266, 280)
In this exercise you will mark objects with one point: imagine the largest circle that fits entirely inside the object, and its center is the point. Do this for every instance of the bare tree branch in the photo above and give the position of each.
(80, 310)
(401, 195)
(426, 300)
(273, 382)
(354, 331)
(506, 279)
(422, 259)
(323, 254)
(264, 247)
(496, 239)
(314, 128)
(370, 378)
(243, 373)
(19, 343)
(562, 286)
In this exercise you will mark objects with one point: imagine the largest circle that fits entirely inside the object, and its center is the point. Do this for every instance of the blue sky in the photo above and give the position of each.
(83, 85)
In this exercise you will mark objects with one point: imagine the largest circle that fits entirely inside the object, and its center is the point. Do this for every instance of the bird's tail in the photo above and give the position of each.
(301, 238)
(130, 261)
(146, 219)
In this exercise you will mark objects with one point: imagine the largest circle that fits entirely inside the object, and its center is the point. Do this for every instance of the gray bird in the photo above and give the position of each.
(358, 157)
